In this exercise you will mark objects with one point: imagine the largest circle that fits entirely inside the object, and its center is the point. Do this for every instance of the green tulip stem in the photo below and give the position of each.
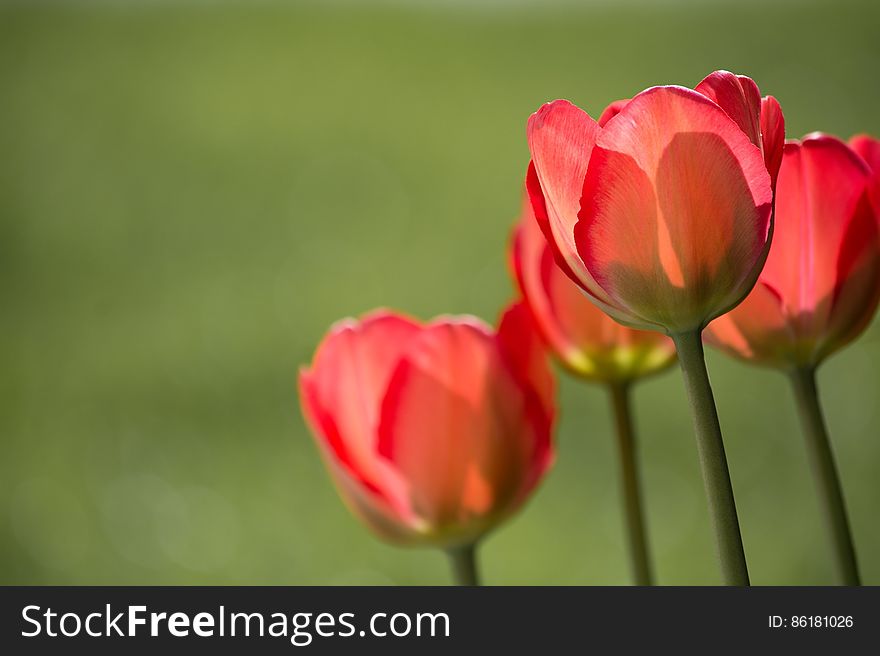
(630, 487)
(825, 472)
(463, 559)
(713, 461)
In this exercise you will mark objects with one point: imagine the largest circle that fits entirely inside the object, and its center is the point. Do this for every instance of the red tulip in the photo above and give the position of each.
(433, 432)
(586, 340)
(663, 213)
(821, 284)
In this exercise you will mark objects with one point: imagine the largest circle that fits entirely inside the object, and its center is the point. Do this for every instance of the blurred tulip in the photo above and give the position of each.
(821, 284)
(433, 433)
(818, 291)
(594, 347)
(662, 212)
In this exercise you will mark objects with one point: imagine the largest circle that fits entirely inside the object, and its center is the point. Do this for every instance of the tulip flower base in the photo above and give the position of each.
(713, 461)
(463, 560)
(825, 472)
(630, 485)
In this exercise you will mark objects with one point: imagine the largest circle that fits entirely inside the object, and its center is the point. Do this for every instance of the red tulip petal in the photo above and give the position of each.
(868, 149)
(387, 516)
(342, 395)
(772, 135)
(761, 119)
(611, 111)
(524, 351)
(386, 513)
(561, 138)
(821, 183)
(676, 209)
(521, 346)
(739, 97)
(452, 424)
(539, 208)
(540, 280)
(857, 293)
(538, 277)
(757, 329)
(324, 427)
(618, 202)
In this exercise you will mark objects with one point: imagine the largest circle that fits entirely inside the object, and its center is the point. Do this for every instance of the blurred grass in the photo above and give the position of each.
(189, 196)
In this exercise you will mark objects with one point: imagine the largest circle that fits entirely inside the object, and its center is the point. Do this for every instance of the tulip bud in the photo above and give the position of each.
(821, 284)
(435, 432)
(661, 212)
(586, 340)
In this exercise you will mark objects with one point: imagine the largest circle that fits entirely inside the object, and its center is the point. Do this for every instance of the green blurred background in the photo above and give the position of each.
(190, 194)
